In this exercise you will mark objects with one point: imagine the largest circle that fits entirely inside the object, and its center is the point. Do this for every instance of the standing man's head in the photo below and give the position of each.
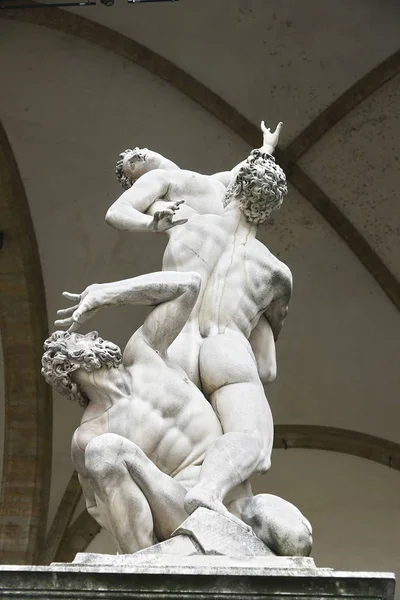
(259, 186)
(66, 352)
(132, 164)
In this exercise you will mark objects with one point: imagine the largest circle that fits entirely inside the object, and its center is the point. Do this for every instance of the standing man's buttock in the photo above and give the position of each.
(226, 359)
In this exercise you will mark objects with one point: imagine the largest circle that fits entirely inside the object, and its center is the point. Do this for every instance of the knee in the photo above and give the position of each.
(257, 447)
(293, 539)
(103, 455)
(265, 463)
(264, 452)
(279, 524)
(298, 541)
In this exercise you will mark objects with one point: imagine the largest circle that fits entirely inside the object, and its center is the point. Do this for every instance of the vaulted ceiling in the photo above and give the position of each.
(193, 80)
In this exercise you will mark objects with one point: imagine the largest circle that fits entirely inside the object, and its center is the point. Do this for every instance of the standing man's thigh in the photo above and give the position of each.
(229, 377)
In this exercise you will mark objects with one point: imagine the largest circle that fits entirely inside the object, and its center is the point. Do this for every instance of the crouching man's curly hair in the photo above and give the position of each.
(260, 186)
(62, 356)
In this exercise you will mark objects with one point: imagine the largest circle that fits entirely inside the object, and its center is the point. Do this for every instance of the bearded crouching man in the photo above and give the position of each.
(241, 281)
(146, 427)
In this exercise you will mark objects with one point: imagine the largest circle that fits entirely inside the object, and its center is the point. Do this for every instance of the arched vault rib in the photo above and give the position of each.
(313, 437)
(78, 537)
(154, 63)
(62, 520)
(28, 408)
(358, 92)
(345, 441)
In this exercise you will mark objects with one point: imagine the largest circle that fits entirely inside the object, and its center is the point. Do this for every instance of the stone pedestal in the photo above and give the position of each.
(191, 578)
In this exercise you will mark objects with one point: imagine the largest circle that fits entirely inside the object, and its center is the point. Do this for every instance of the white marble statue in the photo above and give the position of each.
(205, 196)
(146, 427)
(242, 286)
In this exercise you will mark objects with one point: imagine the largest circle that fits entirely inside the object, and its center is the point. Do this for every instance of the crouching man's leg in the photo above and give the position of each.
(278, 523)
(141, 501)
(121, 502)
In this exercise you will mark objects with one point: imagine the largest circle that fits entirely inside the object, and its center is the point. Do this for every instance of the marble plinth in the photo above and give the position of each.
(192, 577)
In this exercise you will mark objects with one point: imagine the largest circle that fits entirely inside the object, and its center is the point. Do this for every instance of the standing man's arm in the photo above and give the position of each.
(263, 337)
(277, 310)
(263, 345)
(128, 213)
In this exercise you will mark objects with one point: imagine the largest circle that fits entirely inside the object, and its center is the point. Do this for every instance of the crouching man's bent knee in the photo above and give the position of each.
(104, 456)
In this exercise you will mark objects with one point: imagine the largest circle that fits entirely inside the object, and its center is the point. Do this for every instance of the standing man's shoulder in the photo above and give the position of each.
(282, 278)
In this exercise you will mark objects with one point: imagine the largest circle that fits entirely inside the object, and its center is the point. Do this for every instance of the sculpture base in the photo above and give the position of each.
(207, 532)
(194, 577)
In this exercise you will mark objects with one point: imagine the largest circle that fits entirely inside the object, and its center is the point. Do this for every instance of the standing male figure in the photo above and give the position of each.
(205, 195)
(240, 281)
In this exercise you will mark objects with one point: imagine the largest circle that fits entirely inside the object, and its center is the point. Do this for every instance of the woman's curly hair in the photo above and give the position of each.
(135, 154)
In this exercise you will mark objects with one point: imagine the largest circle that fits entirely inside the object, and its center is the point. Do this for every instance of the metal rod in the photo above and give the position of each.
(135, 1)
(50, 5)
(10, 4)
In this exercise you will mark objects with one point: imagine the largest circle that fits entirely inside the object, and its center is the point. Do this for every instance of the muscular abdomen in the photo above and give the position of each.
(167, 417)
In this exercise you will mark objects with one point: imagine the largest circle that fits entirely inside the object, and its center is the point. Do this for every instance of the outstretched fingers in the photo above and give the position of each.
(175, 206)
(275, 133)
(70, 296)
(278, 129)
(63, 322)
(73, 322)
(179, 222)
(71, 313)
(66, 312)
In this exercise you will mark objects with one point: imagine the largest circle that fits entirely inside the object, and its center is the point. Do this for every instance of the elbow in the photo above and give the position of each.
(114, 217)
(110, 217)
(268, 374)
(267, 370)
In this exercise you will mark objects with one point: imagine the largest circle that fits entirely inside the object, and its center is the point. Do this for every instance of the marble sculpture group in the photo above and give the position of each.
(179, 420)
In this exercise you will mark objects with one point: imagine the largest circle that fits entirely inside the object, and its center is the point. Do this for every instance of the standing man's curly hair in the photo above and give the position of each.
(62, 356)
(260, 186)
(138, 154)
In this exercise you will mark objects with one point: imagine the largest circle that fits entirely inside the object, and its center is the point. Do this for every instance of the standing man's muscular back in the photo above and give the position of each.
(196, 245)
(251, 268)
